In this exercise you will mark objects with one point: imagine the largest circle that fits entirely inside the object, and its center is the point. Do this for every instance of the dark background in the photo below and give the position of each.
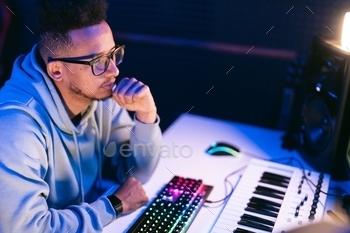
(169, 46)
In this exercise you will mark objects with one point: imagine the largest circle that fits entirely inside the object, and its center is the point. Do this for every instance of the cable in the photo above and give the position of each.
(227, 181)
(290, 162)
(232, 173)
(309, 181)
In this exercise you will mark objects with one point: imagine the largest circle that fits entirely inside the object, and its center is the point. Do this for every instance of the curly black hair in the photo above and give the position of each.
(56, 18)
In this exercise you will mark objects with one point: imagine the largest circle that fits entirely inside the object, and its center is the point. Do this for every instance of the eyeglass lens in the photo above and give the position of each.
(101, 65)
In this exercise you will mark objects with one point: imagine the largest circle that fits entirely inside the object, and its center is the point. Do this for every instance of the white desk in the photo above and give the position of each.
(185, 142)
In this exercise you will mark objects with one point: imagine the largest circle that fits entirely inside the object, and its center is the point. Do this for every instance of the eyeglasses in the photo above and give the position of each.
(99, 64)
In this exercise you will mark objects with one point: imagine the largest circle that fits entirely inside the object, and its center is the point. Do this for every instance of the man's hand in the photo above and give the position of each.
(133, 95)
(132, 194)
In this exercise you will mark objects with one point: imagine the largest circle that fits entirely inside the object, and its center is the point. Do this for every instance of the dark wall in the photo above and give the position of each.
(184, 50)
(181, 75)
(20, 37)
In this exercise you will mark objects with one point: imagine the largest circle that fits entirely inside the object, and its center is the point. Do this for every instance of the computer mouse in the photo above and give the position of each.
(223, 148)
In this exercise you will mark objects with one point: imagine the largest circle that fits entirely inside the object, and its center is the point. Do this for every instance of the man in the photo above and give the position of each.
(61, 116)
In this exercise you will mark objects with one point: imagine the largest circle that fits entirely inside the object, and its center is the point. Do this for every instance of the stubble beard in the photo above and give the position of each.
(82, 95)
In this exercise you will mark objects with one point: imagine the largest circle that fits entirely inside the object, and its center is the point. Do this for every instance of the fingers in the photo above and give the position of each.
(137, 186)
(133, 95)
(129, 91)
(144, 202)
(139, 92)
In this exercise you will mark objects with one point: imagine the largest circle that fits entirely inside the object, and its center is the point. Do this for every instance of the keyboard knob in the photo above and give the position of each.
(311, 217)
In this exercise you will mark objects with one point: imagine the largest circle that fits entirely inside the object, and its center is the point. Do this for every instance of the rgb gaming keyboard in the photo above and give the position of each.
(174, 208)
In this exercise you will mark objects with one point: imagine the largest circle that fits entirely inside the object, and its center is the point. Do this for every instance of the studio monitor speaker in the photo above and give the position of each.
(320, 122)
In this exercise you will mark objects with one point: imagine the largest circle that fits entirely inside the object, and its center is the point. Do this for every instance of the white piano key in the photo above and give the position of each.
(234, 208)
(223, 227)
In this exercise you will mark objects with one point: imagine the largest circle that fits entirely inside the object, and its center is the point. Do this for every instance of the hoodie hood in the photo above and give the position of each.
(29, 76)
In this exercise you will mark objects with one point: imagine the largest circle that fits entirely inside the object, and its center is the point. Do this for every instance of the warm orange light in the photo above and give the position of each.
(345, 39)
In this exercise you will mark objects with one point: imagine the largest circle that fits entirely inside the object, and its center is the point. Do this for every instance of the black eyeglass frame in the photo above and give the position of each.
(94, 60)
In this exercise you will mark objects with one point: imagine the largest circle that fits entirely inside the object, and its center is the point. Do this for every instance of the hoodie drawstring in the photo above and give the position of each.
(79, 166)
(98, 154)
(99, 159)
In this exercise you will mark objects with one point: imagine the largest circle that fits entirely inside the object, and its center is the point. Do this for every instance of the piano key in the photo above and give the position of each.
(249, 217)
(280, 180)
(255, 225)
(260, 187)
(277, 183)
(261, 211)
(269, 192)
(273, 180)
(245, 196)
(263, 207)
(236, 215)
(223, 227)
(264, 201)
(276, 176)
(240, 230)
(251, 187)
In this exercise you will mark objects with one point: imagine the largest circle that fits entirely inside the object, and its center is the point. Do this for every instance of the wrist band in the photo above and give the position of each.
(116, 203)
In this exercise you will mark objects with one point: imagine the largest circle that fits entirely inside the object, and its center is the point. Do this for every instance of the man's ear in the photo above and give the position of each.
(54, 70)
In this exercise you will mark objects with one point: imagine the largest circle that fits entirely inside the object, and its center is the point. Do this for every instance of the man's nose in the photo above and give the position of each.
(112, 69)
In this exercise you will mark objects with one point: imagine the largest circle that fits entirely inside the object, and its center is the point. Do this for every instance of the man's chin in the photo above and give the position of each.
(103, 98)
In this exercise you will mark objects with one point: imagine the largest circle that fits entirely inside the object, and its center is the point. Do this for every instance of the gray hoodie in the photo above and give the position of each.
(51, 171)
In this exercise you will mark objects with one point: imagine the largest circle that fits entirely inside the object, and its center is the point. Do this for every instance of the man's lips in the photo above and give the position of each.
(109, 85)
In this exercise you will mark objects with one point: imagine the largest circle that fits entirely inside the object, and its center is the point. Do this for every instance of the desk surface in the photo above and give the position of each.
(183, 154)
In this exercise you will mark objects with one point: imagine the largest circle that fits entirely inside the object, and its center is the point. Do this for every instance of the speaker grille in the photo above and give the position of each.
(316, 125)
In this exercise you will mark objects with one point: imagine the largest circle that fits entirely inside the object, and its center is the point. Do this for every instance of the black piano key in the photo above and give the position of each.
(261, 207)
(264, 207)
(276, 177)
(269, 192)
(273, 182)
(261, 211)
(255, 225)
(264, 201)
(240, 230)
(249, 217)
(276, 180)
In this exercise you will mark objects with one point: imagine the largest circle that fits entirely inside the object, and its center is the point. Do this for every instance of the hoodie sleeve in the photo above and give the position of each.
(23, 167)
(138, 146)
(145, 141)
